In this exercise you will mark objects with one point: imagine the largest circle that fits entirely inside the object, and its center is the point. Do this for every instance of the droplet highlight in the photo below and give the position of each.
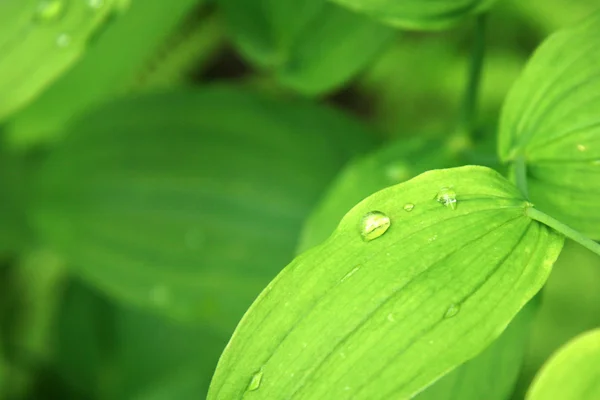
(447, 197)
(49, 10)
(408, 207)
(255, 381)
(452, 311)
(373, 225)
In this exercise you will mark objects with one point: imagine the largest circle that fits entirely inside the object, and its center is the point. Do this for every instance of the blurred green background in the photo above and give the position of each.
(158, 161)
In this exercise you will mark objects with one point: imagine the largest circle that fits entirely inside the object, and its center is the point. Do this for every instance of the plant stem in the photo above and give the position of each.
(471, 96)
(521, 175)
(564, 229)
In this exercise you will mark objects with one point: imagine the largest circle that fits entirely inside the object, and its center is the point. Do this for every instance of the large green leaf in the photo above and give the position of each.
(551, 120)
(14, 232)
(109, 67)
(418, 14)
(39, 40)
(311, 47)
(169, 200)
(387, 305)
(573, 373)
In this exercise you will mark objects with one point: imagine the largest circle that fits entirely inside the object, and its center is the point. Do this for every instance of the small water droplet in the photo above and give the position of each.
(96, 4)
(397, 172)
(581, 147)
(373, 225)
(63, 40)
(391, 318)
(349, 274)
(49, 10)
(408, 207)
(452, 311)
(447, 197)
(432, 239)
(255, 381)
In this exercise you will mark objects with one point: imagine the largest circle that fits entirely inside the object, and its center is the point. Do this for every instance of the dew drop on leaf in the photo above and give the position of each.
(255, 381)
(452, 311)
(374, 225)
(49, 10)
(447, 197)
(408, 207)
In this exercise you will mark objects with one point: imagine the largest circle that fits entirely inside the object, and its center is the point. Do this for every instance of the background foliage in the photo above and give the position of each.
(161, 162)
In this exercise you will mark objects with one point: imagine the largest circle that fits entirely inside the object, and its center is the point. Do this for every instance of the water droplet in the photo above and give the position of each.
(391, 318)
(447, 197)
(49, 10)
(397, 172)
(63, 40)
(373, 225)
(452, 311)
(581, 147)
(349, 274)
(432, 239)
(255, 381)
(408, 207)
(96, 4)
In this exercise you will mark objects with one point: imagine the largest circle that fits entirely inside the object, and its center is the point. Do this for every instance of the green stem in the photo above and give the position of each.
(521, 175)
(564, 229)
(469, 113)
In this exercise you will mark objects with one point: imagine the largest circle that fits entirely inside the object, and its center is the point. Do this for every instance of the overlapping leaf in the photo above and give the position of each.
(312, 47)
(169, 201)
(551, 119)
(418, 14)
(573, 373)
(385, 318)
(39, 40)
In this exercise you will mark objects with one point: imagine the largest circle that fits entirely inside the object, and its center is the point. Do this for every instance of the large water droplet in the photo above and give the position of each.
(452, 311)
(63, 40)
(447, 197)
(49, 10)
(255, 381)
(408, 207)
(373, 225)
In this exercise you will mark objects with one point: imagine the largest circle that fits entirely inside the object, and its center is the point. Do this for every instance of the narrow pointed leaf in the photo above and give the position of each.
(168, 201)
(39, 40)
(418, 14)
(551, 119)
(385, 317)
(573, 373)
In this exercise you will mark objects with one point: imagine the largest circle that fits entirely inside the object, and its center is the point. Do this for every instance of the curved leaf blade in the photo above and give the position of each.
(551, 120)
(418, 14)
(572, 373)
(165, 200)
(39, 40)
(386, 318)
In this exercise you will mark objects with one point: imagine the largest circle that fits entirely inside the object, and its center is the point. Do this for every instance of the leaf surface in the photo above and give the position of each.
(551, 119)
(385, 318)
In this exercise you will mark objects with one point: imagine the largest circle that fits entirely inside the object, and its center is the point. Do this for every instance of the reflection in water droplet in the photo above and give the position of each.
(452, 311)
(373, 225)
(397, 172)
(49, 10)
(255, 381)
(447, 197)
(63, 40)
(409, 207)
(96, 4)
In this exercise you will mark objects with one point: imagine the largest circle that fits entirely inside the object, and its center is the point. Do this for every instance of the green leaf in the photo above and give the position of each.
(573, 373)
(312, 47)
(108, 68)
(169, 200)
(14, 231)
(40, 40)
(551, 121)
(418, 14)
(346, 318)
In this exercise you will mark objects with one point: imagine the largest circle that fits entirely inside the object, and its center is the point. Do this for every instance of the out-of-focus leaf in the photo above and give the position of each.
(115, 352)
(312, 47)
(573, 373)
(392, 164)
(109, 67)
(551, 120)
(393, 300)
(39, 40)
(14, 232)
(570, 304)
(168, 201)
(418, 14)
(493, 372)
